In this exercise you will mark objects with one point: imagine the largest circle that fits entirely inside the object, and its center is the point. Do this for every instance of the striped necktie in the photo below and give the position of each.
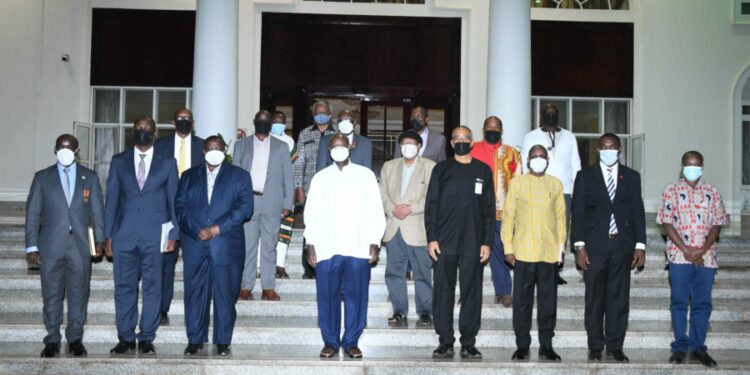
(611, 190)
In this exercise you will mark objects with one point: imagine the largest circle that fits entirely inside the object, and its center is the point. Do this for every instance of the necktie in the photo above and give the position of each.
(66, 186)
(142, 172)
(611, 190)
(182, 160)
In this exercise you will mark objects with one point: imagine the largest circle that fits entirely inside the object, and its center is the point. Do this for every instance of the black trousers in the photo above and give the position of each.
(470, 273)
(608, 295)
(527, 276)
(309, 270)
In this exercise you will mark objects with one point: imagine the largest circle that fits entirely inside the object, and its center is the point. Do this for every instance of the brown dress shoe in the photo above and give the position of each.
(354, 353)
(281, 273)
(507, 301)
(328, 352)
(270, 295)
(246, 295)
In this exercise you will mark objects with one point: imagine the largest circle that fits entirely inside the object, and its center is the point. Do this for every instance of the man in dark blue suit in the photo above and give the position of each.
(140, 205)
(213, 201)
(361, 146)
(187, 150)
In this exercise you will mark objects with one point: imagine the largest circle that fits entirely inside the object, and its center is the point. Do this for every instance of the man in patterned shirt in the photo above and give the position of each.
(692, 213)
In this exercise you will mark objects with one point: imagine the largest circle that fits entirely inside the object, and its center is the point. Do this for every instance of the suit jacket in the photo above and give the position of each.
(278, 192)
(231, 205)
(433, 150)
(165, 147)
(131, 214)
(49, 219)
(592, 209)
(412, 227)
(360, 153)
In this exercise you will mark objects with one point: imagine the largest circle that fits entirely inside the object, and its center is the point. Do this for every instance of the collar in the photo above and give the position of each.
(187, 139)
(614, 167)
(71, 168)
(683, 181)
(149, 152)
(215, 172)
(266, 140)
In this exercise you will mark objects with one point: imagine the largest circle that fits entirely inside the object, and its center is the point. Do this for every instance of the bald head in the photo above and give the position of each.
(66, 141)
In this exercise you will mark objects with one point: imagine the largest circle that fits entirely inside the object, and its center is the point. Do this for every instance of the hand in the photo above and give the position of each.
(639, 257)
(484, 253)
(696, 256)
(215, 231)
(33, 258)
(405, 210)
(510, 259)
(299, 195)
(285, 213)
(434, 250)
(582, 258)
(312, 257)
(396, 211)
(205, 234)
(108, 247)
(171, 246)
(374, 252)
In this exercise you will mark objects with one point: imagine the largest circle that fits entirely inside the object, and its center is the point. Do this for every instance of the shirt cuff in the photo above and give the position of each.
(579, 244)
(32, 249)
(640, 246)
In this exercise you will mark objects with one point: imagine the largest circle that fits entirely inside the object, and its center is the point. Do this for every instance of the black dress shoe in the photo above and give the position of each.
(702, 357)
(164, 319)
(677, 357)
(50, 350)
(618, 356)
(193, 349)
(520, 355)
(397, 320)
(122, 347)
(146, 347)
(470, 352)
(223, 350)
(328, 352)
(425, 321)
(77, 348)
(595, 355)
(443, 351)
(548, 354)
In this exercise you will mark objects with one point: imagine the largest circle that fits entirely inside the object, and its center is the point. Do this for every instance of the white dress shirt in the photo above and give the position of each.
(188, 142)
(406, 173)
(286, 139)
(259, 168)
(424, 134)
(147, 160)
(343, 213)
(564, 161)
(211, 179)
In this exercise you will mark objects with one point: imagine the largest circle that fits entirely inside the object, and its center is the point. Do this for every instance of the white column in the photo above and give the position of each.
(509, 68)
(215, 70)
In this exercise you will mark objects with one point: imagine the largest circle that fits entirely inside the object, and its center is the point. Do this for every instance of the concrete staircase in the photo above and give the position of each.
(282, 337)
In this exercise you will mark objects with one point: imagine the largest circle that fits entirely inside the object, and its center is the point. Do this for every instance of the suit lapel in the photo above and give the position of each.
(57, 181)
(622, 186)
(203, 187)
(78, 188)
(268, 167)
(155, 164)
(218, 183)
(131, 167)
(399, 174)
(599, 177)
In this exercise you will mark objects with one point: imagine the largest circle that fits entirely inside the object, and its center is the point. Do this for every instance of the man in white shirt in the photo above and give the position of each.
(345, 223)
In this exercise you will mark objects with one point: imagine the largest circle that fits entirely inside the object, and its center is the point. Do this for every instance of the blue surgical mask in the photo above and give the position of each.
(692, 173)
(278, 128)
(322, 118)
(608, 157)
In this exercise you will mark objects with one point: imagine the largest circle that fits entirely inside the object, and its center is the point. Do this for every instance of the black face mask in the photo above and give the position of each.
(462, 148)
(183, 125)
(416, 125)
(142, 137)
(492, 136)
(262, 127)
(550, 118)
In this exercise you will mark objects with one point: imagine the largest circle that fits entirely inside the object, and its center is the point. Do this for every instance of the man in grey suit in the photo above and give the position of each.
(433, 145)
(65, 199)
(270, 166)
(360, 146)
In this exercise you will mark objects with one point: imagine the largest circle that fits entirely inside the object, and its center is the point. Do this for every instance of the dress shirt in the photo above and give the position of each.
(259, 168)
(211, 179)
(424, 134)
(564, 161)
(406, 173)
(147, 160)
(286, 139)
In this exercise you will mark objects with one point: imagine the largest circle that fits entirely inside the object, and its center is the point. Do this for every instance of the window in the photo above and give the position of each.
(746, 143)
(582, 4)
(372, 1)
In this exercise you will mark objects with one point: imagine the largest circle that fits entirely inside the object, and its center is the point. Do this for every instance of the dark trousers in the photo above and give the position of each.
(527, 276)
(65, 276)
(167, 279)
(309, 270)
(500, 270)
(607, 283)
(352, 275)
(143, 262)
(691, 287)
(470, 272)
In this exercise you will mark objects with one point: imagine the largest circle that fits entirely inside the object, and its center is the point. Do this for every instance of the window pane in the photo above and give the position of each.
(83, 134)
(533, 114)
(138, 103)
(588, 150)
(746, 109)
(127, 132)
(164, 132)
(586, 116)
(169, 102)
(746, 152)
(637, 154)
(616, 117)
(562, 106)
(107, 106)
(107, 144)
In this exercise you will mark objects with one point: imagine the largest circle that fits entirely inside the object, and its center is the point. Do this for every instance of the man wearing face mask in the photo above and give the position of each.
(186, 148)
(460, 221)
(345, 223)
(267, 159)
(278, 131)
(64, 201)
(505, 163)
(140, 205)
(360, 147)
(609, 233)
(433, 146)
(692, 213)
(403, 188)
(213, 200)
(534, 234)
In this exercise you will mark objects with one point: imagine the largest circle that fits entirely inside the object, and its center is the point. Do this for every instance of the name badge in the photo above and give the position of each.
(478, 186)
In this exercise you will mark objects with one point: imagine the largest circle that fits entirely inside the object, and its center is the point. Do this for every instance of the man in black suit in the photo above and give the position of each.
(187, 150)
(609, 233)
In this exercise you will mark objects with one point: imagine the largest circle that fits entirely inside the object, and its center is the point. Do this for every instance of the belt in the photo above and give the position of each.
(258, 193)
(612, 236)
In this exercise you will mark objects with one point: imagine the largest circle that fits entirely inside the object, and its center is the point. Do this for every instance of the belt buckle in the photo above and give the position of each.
(612, 236)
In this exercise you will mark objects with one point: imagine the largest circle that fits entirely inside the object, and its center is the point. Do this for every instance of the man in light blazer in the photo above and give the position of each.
(360, 146)
(433, 143)
(270, 166)
(65, 199)
(403, 188)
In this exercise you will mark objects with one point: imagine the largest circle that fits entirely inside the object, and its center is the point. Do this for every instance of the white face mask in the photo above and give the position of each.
(65, 157)
(215, 157)
(346, 126)
(409, 150)
(538, 165)
(339, 154)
